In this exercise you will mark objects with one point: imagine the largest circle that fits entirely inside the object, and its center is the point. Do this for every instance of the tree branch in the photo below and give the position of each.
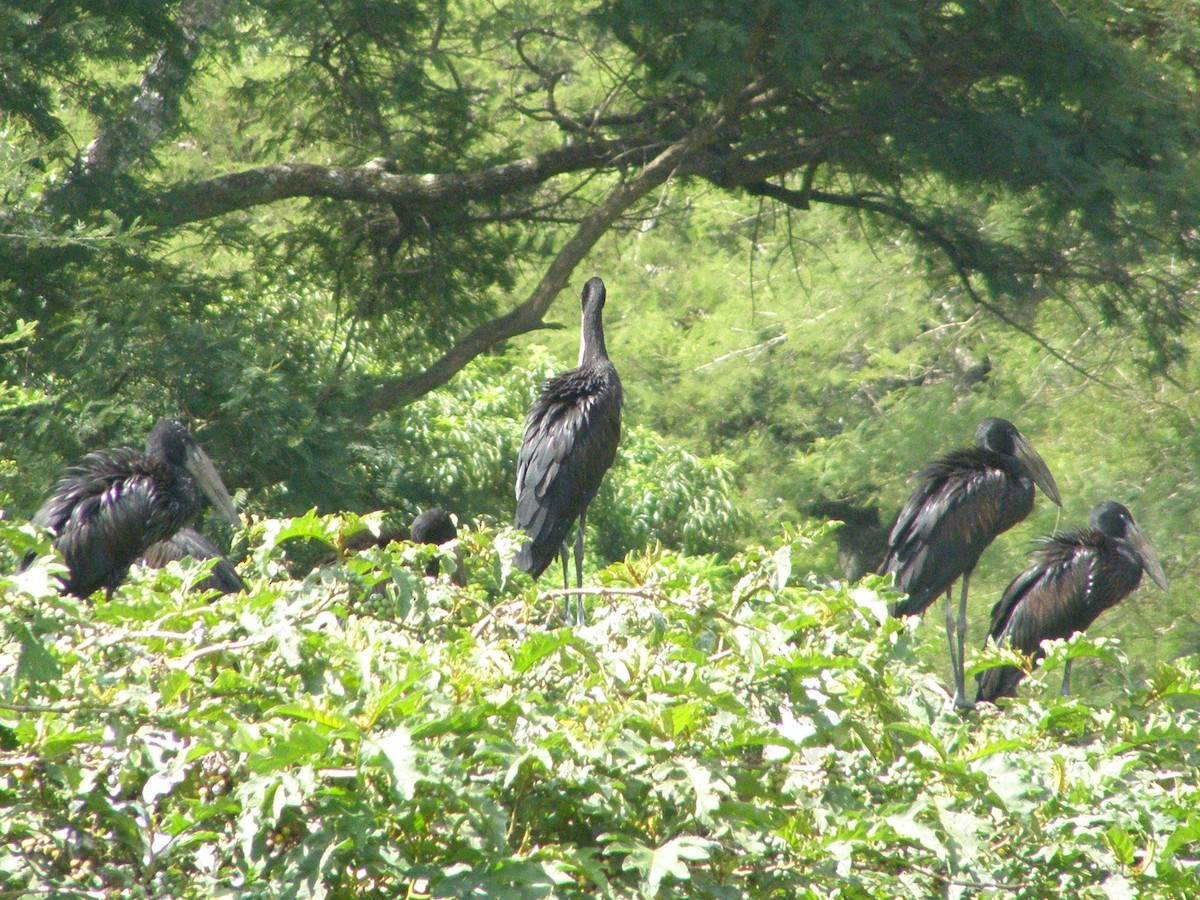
(373, 183)
(156, 108)
(962, 265)
(400, 391)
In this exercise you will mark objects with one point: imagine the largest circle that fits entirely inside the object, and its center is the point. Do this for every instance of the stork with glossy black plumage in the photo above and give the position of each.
(107, 510)
(1076, 576)
(962, 501)
(434, 526)
(571, 437)
(188, 543)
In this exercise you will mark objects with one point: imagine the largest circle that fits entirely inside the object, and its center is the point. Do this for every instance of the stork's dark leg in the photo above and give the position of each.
(950, 633)
(565, 555)
(580, 618)
(1066, 688)
(960, 688)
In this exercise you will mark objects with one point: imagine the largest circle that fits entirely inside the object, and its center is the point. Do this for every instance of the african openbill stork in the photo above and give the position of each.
(962, 501)
(110, 507)
(434, 526)
(188, 543)
(571, 437)
(1076, 576)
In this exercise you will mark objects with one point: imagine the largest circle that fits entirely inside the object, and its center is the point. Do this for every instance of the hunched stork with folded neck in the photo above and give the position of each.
(962, 501)
(107, 510)
(1077, 575)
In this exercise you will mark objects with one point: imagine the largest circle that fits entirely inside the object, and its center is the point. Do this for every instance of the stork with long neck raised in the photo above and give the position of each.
(571, 437)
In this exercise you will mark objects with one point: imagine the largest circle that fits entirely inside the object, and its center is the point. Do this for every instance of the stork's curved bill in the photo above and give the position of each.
(209, 481)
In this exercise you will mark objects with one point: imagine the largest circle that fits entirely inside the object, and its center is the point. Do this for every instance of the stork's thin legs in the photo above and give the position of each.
(960, 688)
(950, 634)
(1066, 687)
(580, 618)
(574, 613)
(579, 550)
(564, 555)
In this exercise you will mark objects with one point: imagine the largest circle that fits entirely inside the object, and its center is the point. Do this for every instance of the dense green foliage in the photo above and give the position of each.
(721, 729)
(330, 234)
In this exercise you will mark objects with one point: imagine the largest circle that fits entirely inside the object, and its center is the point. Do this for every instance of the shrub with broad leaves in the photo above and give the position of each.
(720, 729)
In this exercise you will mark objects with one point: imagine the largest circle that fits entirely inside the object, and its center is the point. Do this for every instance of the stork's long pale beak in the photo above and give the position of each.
(210, 482)
(1038, 470)
(1150, 561)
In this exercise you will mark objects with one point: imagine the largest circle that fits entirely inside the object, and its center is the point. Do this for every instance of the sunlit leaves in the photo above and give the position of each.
(668, 862)
(774, 740)
(396, 750)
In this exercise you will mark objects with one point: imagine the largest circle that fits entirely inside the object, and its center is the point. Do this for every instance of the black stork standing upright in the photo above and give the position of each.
(188, 543)
(571, 437)
(962, 501)
(110, 507)
(434, 526)
(1077, 575)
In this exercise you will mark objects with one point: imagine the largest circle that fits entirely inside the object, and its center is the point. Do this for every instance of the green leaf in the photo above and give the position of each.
(1186, 834)
(1000, 746)
(312, 713)
(922, 733)
(907, 826)
(670, 860)
(682, 716)
(36, 665)
(173, 684)
(538, 646)
(396, 749)
(781, 569)
(704, 786)
(1122, 844)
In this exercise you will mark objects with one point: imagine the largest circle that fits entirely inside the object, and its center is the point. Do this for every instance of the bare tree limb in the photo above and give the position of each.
(373, 183)
(156, 107)
(400, 391)
(744, 351)
(962, 266)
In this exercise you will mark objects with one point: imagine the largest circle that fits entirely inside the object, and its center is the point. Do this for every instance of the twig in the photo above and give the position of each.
(479, 626)
(114, 636)
(648, 593)
(12, 762)
(651, 593)
(61, 709)
(187, 661)
(765, 345)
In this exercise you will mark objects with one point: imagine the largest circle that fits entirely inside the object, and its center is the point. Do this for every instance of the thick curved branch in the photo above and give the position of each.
(397, 392)
(373, 183)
